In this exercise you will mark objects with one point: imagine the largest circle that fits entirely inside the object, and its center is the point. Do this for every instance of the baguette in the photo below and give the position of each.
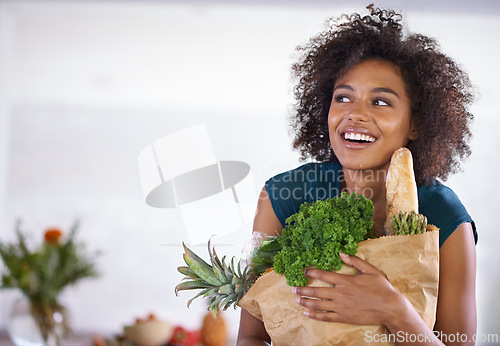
(401, 187)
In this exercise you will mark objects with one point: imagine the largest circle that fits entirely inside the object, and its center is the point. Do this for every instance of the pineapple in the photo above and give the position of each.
(224, 284)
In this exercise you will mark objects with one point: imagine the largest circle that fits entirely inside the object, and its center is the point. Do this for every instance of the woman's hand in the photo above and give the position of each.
(366, 298)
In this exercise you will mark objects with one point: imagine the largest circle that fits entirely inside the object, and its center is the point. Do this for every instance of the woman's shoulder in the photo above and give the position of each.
(440, 196)
(443, 208)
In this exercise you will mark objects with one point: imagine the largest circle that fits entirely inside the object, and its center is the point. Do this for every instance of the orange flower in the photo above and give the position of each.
(53, 236)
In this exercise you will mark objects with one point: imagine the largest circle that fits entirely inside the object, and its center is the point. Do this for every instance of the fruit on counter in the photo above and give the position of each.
(185, 337)
(214, 331)
(149, 332)
(151, 317)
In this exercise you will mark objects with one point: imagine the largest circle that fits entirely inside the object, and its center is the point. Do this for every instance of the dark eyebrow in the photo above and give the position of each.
(384, 90)
(374, 90)
(344, 86)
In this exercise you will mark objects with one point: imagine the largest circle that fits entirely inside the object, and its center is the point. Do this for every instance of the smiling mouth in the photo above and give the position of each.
(358, 138)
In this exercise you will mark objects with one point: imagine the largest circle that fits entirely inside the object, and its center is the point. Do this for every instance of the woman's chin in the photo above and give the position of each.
(357, 165)
(369, 173)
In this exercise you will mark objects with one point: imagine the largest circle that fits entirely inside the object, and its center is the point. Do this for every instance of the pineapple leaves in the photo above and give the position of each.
(224, 283)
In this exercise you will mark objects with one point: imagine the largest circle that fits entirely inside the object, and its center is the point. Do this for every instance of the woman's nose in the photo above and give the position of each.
(358, 113)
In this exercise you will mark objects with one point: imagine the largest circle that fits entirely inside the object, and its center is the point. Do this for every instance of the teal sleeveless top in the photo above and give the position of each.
(318, 181)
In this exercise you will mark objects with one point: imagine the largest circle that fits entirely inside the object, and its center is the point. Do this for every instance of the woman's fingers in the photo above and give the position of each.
(322, 310)
(362, 299)
(317, 304)
(361, 265)
(337, 279)
(323, 316)
(315, 292)
(323, 275)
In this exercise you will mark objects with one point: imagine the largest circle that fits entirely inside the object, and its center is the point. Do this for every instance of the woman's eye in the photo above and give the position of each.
(380, 102)
(342, 99)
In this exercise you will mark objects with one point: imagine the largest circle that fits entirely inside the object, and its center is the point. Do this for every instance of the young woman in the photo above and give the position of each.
(364, 90)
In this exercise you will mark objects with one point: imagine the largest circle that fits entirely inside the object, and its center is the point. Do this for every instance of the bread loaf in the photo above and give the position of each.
(401, 187)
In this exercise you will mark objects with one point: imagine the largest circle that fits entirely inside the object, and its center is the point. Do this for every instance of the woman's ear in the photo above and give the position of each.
(413, 133)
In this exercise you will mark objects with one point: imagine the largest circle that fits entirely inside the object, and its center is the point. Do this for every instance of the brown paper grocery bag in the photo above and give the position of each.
(411, 264)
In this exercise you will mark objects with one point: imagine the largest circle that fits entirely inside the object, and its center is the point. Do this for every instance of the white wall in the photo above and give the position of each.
(86, 85)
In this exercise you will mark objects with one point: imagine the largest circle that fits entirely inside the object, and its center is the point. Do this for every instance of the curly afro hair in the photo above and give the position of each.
(440, 92)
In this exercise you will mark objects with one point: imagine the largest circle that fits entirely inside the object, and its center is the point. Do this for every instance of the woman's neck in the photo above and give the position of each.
(370, 183)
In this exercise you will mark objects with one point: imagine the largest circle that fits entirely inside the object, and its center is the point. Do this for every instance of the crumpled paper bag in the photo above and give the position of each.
(410, 263)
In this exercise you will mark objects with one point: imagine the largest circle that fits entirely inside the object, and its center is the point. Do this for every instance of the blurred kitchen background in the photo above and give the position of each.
(86, 85)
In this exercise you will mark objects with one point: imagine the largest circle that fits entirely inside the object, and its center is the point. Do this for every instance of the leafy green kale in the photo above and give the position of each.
(319, 231)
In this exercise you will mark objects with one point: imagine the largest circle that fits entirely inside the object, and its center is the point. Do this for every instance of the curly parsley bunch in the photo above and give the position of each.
(319, 231)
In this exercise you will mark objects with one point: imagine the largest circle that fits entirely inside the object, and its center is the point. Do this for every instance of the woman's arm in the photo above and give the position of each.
(252, 331)
(456, 310)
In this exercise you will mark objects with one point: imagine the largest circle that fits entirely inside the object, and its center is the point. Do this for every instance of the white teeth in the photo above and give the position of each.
(358, 137)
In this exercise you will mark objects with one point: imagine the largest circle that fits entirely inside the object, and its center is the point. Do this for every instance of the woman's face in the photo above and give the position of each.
(369, 116)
